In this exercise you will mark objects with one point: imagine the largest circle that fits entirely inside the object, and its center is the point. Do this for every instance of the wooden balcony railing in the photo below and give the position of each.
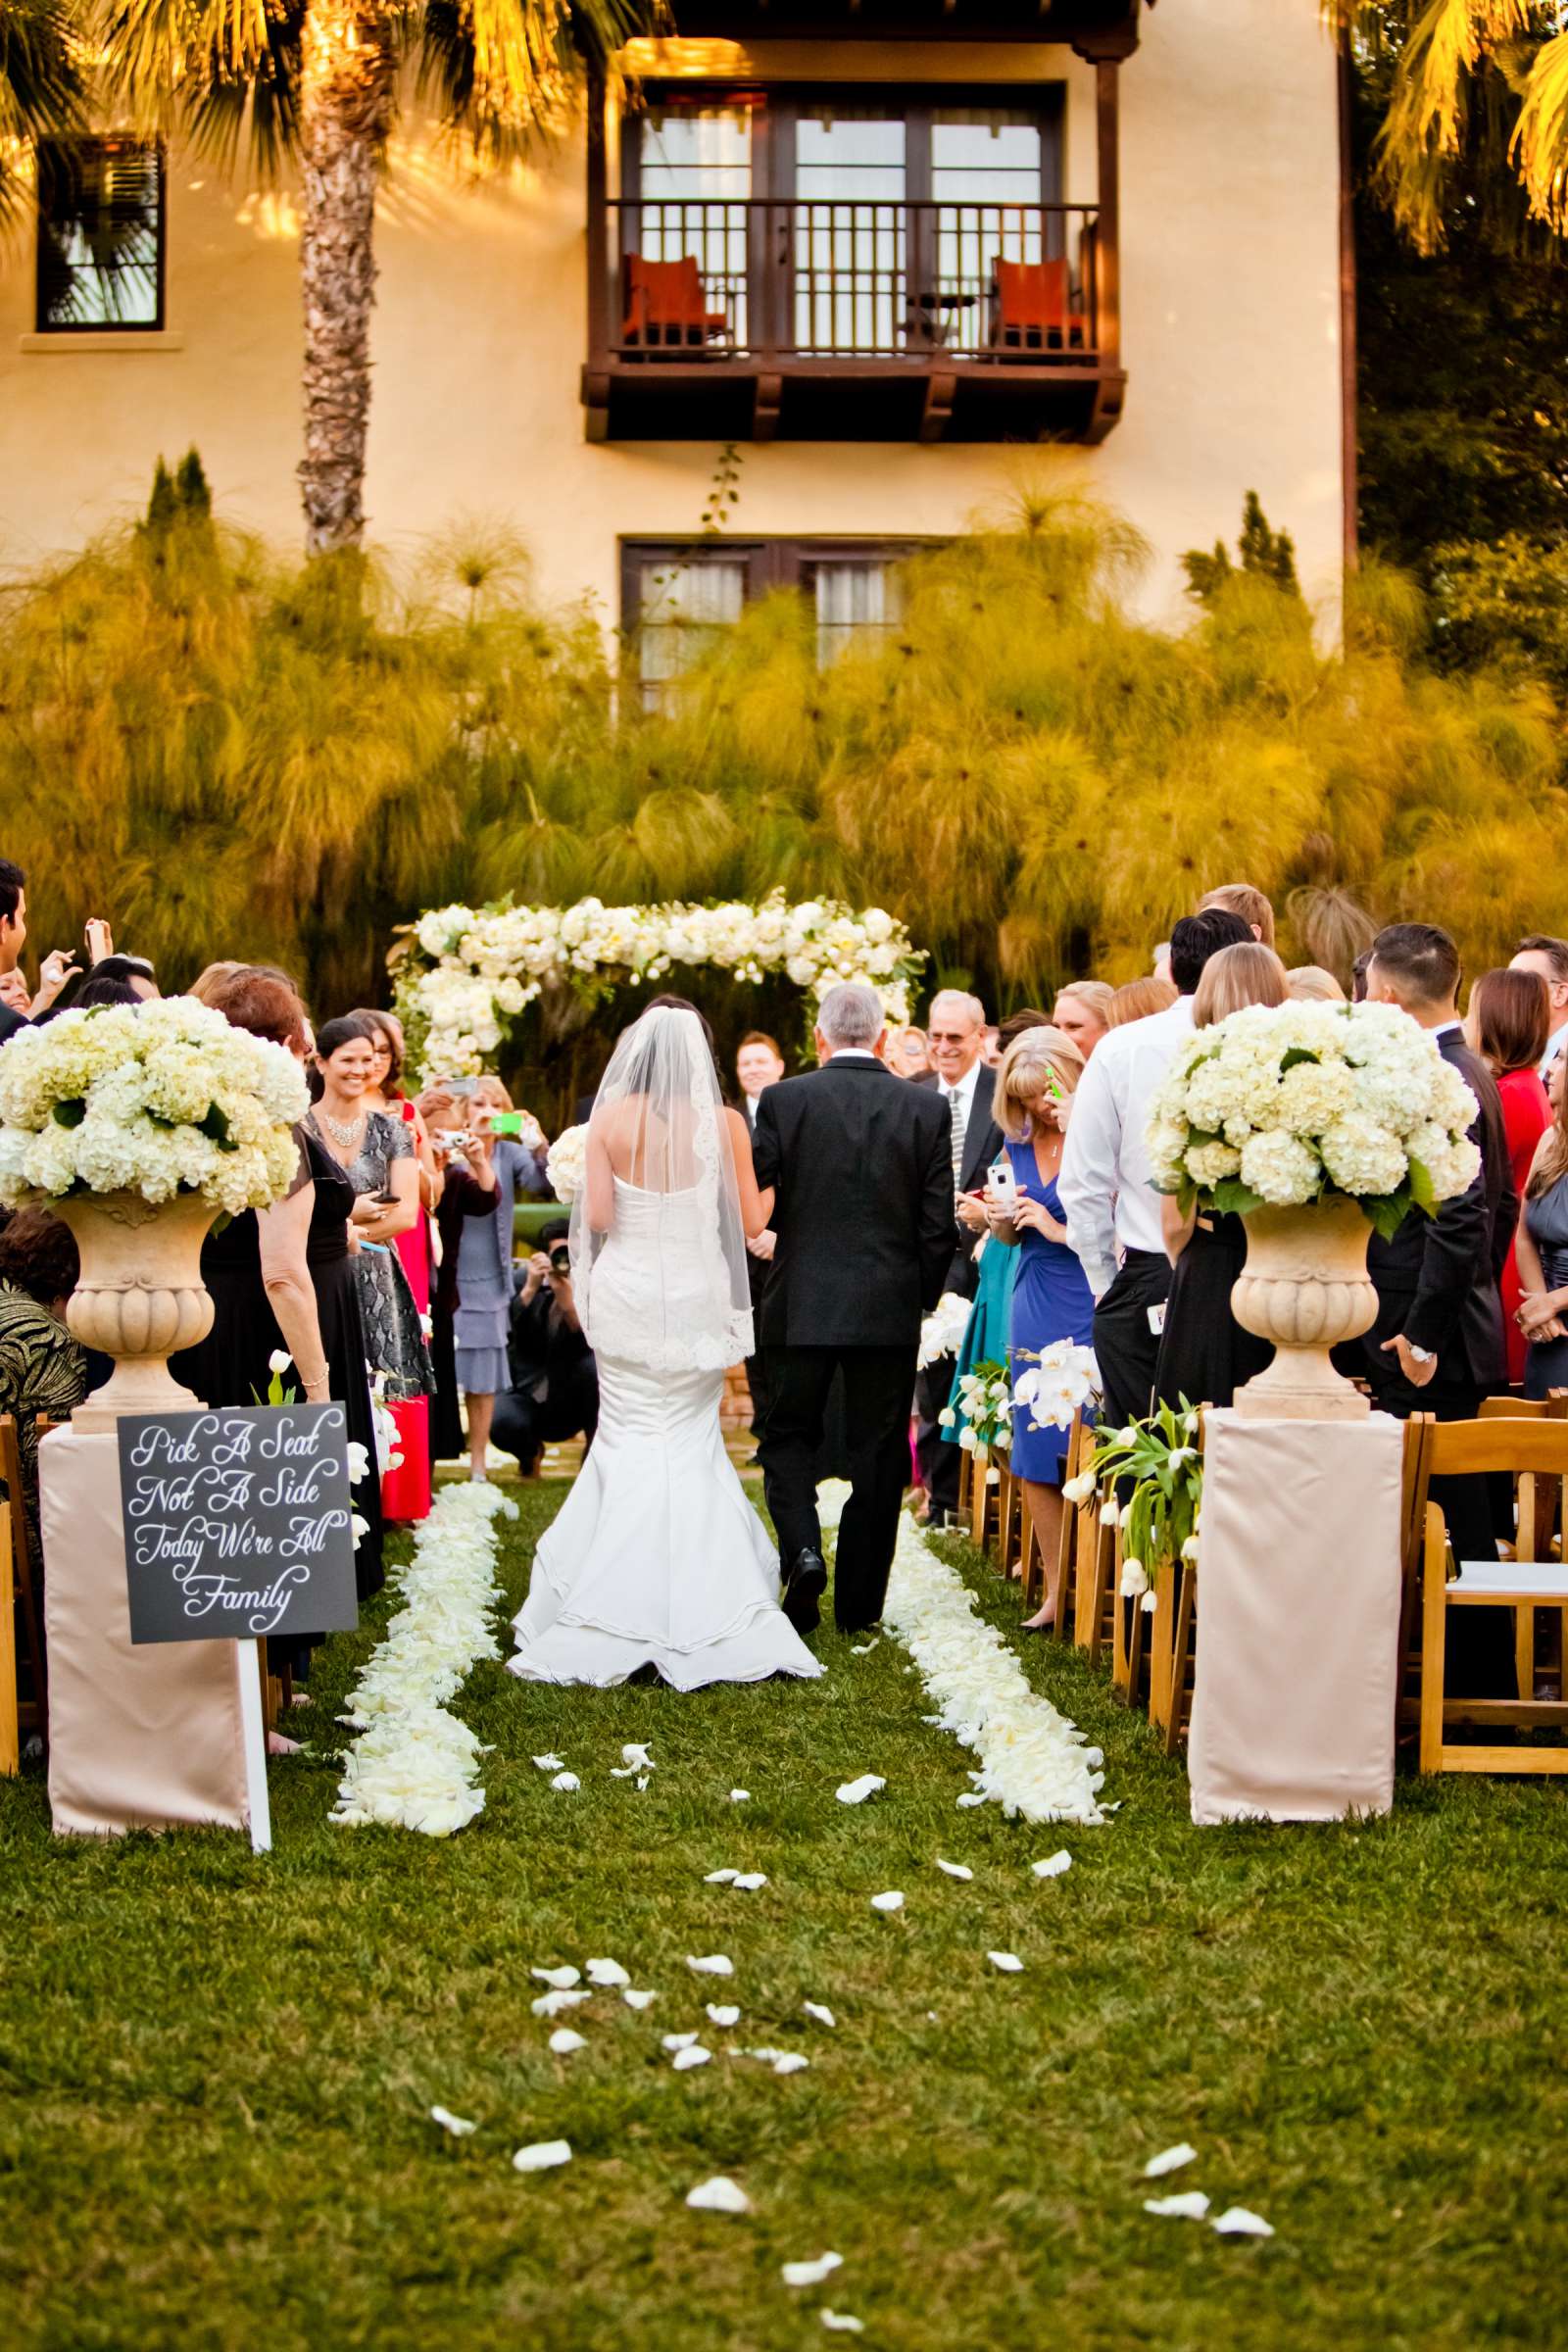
(824, 280)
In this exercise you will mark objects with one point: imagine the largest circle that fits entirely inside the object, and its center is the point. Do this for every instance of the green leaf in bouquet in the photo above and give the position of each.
(1420, 1186)
(69, 1113)
(214, 1126)
(1386, 1212)
(1295, 1056)
(1232, 1197)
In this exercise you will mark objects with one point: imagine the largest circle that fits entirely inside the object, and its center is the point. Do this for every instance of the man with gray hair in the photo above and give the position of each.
(860, 1165)
(961, 1077)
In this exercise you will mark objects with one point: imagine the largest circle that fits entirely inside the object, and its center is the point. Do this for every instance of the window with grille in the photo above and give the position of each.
(676, 594)
(101, 215)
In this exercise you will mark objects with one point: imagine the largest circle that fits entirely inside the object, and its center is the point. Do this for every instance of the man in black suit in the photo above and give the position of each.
(1438, 1345)
(965, 1085)
(758, 1065)
(860, 1168)
(13, 999)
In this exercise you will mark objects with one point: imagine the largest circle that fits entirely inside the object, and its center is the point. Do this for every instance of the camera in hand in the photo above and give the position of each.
(561, 1259)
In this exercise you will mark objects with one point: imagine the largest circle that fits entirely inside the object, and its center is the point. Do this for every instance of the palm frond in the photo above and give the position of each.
(43, 92)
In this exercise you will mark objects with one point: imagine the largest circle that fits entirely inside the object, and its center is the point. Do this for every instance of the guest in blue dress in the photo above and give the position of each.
(1052, 1300)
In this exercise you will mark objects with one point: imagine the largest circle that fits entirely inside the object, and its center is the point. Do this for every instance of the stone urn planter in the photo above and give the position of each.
(139, 1296)
(1305, 1288)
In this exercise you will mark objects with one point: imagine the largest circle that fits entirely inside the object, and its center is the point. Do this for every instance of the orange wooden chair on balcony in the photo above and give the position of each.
(666, 307)
(1031, 306)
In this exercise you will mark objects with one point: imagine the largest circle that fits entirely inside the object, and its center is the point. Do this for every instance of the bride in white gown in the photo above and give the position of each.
(657, 1557)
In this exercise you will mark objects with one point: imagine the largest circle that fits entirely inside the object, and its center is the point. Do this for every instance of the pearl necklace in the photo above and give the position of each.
(343, 1137)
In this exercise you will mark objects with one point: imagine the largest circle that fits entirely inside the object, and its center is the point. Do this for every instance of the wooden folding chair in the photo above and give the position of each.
(1528, 1450)
(33, 1713)
(966, 1487)
(1095, 1589)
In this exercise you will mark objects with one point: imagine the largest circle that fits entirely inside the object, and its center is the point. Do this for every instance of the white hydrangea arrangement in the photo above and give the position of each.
(1283, 1104)
(156, 1099)
(465, 973)
(566, 1165)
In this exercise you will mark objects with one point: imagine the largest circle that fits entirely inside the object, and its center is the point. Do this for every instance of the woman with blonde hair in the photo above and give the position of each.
(1082, 1011)
(1136, 1000)
(1310, 984)
(1204, 1355)
(1052, 1300)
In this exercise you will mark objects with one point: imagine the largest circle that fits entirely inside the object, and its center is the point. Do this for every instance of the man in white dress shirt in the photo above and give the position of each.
(1114, 1218)
(1541, 952)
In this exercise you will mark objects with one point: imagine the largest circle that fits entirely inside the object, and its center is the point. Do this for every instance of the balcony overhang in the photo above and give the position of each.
(1099, 30)
(843, 398)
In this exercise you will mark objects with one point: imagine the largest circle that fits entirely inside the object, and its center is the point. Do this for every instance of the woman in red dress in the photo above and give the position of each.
(1508, 1024)
(406, 1491)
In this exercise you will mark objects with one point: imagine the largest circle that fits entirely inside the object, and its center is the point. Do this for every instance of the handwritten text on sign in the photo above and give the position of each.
(237, 1524)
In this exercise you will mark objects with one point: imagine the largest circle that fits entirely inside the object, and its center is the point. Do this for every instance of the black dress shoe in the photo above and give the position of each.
(805, 1583)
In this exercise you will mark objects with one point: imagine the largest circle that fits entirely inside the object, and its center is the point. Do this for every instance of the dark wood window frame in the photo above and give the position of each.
(43, 323)
(777, 108)
(771, 562)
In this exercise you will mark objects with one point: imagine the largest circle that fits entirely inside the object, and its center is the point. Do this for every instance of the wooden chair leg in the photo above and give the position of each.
(1181, 1652)
(9, 1721)
(1161, 1632)
(1093, 1575)
(1434, 1638)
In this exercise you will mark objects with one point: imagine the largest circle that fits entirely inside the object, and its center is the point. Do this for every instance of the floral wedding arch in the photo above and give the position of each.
(465, 973)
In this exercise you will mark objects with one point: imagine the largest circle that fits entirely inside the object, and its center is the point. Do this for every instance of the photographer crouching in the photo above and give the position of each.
(554, 1391)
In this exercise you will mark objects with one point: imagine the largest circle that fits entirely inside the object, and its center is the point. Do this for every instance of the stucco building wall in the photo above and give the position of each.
(1229, 326)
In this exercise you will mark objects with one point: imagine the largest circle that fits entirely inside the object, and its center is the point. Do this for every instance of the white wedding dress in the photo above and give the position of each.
(657, 1557)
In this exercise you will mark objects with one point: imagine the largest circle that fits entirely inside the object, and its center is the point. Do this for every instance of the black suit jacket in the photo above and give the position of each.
(982, 1143)
(1437, 1279)
(11, 1022)
(861, 1166)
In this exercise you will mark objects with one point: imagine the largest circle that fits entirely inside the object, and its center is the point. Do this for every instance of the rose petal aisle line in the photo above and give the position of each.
(1033, 1761)
(414, 1766)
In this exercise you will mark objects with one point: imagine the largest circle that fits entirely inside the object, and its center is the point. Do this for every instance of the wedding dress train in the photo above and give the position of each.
(657, 1557)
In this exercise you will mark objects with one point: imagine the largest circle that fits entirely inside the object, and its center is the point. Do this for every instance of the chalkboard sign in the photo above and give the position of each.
(237, 1524)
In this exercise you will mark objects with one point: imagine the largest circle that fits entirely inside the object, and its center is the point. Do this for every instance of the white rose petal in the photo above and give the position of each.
(721, 1878)
(1169, 2160)
(638, 2000)
(954, 1870)
(550, 1763)
(1190, 2206)
(715, 1965)
(891, 1901)
(564, 2041)
(718, 2195)
(1054, 1865)
(971, 1797)
(551, 2004)
(740, 1797)
(856, 1792)
(559, 1978)
(695, 2055)
(749, 1880)
(607, 1972)
(565, 1781)
(841, 2322)
(862, 1650)
(1237, 2221)
(812, 2273)
(679, 2041)
(723, 2013)
(457, 2124)
(543, 2156)
(1009, 1962)
(823, 2017)
(636, 1756)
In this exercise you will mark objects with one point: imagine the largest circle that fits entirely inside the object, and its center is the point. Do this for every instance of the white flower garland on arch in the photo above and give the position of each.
(465, 973)
(414, 1766)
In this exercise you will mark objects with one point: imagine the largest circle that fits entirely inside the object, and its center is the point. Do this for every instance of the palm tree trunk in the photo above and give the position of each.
(346, 105)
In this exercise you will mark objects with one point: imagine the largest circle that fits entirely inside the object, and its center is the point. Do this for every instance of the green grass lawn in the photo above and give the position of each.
(215, 2070)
